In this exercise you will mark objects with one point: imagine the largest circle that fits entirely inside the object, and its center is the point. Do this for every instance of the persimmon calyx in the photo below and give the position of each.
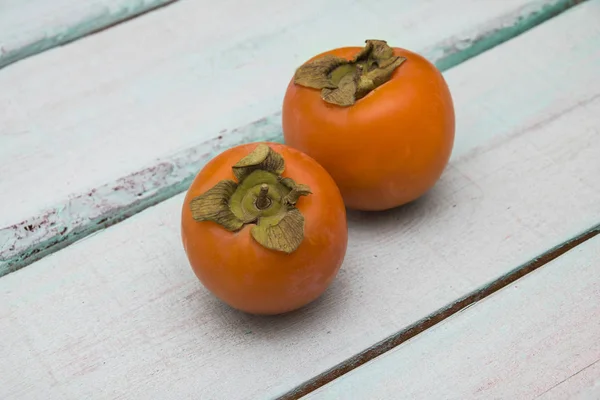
(342, 82)
(261, 196)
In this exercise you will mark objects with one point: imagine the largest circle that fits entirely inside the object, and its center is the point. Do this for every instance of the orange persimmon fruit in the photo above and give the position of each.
(379, 119)
(264, 228)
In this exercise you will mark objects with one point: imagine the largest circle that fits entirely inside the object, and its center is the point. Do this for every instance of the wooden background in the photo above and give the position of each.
(101, 134)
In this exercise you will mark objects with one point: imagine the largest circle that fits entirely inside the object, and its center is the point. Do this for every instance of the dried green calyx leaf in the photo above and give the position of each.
(263, 158)
(261, 197)
(316, 73)
(213, 205)
(296, 190)
(343, 82)
(283, 232)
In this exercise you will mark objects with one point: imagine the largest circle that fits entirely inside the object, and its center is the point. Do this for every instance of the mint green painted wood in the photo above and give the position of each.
(121, 313)
(534, 339)
(177, 118)
(30, 27)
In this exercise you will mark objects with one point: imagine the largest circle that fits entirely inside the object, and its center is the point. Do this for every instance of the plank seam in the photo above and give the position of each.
(28, 241)
(567, 378)
(437, 317)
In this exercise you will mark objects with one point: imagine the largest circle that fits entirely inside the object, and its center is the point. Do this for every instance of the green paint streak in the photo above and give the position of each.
(47, 247)
(79, 30)
(58, 242)
(268, 130)
(453, 56)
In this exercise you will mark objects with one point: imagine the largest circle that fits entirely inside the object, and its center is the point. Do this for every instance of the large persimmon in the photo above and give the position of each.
(379, 119)
(264, 228)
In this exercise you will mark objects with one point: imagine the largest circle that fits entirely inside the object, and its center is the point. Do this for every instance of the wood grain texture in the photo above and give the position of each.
(535, 339)
(74, 97)
(28, 28)
(120, 313)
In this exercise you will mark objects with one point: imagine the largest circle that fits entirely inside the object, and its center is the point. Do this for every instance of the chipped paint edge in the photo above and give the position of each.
(106, 205)
(458, 49)
(28, 241)
(87, 26)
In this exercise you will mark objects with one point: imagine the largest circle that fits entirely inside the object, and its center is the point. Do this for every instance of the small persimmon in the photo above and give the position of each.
(264, 228)
(379, 119)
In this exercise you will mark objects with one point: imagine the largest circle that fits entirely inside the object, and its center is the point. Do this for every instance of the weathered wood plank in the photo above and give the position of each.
(28, 28)
(201, 79)
(537, 338)
(581, 385)
(121, 313)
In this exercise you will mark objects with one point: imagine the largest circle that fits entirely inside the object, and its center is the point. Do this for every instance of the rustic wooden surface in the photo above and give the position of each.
(111, 124)
(121, 314)
(535, 339)
(30, 27)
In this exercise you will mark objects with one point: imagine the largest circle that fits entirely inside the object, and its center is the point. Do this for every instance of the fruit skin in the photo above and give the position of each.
(387, 149)
(250, 277)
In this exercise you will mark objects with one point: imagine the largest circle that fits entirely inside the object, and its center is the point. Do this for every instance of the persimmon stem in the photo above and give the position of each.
(261, 197)
(263, 201)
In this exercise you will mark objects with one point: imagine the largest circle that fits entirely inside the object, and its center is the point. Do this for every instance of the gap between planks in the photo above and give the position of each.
(30, 240)
(437, 317)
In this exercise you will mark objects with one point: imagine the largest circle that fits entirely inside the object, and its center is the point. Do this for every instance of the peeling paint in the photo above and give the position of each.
(25, 242)
(81, 215)
(91, 24)
(456, 50)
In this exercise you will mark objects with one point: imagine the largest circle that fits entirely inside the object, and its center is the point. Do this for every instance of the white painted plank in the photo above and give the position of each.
(523, 342)
(82, 126)
(581, 385)
(121, 313)
(29, 27)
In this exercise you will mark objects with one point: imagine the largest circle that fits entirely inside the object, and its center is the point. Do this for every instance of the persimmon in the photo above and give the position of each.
(264, 228)
(379, 119)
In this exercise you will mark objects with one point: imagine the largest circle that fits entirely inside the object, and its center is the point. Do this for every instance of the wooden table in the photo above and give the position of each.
(486, 288)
